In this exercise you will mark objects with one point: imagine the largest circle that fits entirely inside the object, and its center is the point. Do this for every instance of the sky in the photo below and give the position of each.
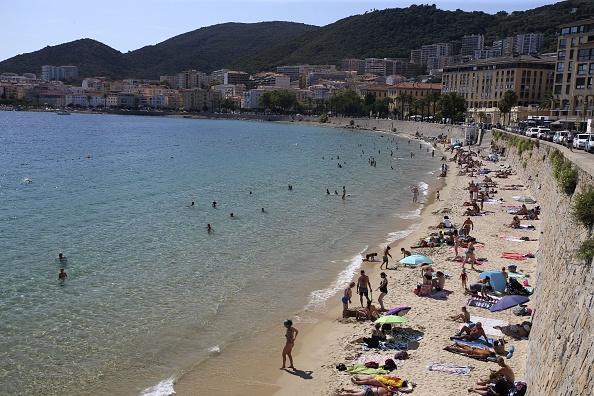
(127, 25)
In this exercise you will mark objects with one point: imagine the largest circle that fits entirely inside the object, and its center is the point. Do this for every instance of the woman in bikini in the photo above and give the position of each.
(427, 274)
(470, 257)
(383, 288)
(291, 334)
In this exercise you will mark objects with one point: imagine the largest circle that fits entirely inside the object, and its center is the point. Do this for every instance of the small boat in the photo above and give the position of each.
(63, 112)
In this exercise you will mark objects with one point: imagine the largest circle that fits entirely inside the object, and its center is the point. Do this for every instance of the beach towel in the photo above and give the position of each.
(438, 295)
(400, 334)
(398, 311)
(478, 343)
(361, 369)
(387, 346)
(516, 275)
(478, 261)
(479, 303)
(513, 256)
(450, 368)
(489, 325)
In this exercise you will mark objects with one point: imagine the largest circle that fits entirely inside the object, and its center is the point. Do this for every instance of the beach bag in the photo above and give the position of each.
(341, 367)
(390, 365)
(522, 311)
(372, 365)
(401, 355)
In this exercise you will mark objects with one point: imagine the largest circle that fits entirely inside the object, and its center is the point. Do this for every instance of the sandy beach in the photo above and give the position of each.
(320, 347)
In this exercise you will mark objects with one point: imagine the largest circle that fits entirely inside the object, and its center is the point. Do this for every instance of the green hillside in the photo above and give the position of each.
(389, 33)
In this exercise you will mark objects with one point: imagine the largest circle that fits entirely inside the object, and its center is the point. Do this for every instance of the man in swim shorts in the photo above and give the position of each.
(385, 257)
(363, 287)
(346, 299)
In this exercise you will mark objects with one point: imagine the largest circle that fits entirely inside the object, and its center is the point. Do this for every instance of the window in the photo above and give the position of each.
(558, 78)
(590, 82)
(561, 55)
(573, 29)
(591, 71)
(560, 67)
(580, 83)
(573, 41)
(564, 31)
(562, 43)
(582, 69)
(570, 66)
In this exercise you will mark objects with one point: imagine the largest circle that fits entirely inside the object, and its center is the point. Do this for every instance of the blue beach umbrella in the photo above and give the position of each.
(508, 302)
(416, 259)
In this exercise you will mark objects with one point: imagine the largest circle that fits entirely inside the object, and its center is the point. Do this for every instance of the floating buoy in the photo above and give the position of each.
(88, 155)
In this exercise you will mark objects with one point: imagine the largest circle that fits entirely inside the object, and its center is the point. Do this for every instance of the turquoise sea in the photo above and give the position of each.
(148, 287)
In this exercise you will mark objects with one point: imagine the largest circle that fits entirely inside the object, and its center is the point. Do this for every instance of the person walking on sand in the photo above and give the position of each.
(467, 226)
(343, 192)
(437, 194)
(209, 229)
(290, 336)
(385, 257)
(363, 287)
(346, 299)
(456, 243)
(463, 277)
(383, 288)
(415, 192)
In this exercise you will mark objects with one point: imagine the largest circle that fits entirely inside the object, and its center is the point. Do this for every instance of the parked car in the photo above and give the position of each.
(532, 132)
(560, 137)
(542, 133)
(579, 141)
(549, 136)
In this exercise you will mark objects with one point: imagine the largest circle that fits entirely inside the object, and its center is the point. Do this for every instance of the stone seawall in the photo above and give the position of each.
(561, 347)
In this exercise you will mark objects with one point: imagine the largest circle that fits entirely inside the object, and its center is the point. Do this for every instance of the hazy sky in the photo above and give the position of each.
(126, 25)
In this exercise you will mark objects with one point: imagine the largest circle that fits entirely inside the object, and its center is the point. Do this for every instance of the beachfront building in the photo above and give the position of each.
(573, 92)
(198, 99)
(353, 64)
(483, 82)
(404, 95)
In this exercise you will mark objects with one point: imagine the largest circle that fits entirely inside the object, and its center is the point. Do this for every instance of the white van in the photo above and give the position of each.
(580, 140)
(532, 132)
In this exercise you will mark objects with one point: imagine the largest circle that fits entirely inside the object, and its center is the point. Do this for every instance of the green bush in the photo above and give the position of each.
(586, 250)
(324, 118)
(563, 172)
(583, 207)
(352, 122)
(524, 164)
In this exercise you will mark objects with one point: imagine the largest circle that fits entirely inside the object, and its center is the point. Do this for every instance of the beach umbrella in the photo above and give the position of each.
(391, 319)
(493, 156)
(508, 302)
(416, 259)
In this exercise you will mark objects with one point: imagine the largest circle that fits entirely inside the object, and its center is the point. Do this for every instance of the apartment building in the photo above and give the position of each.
(484, 82)
(417, 91)
(270, 79)
(573, 92)
(226, 76)
(530, 43)
(357, 65)
(50, 73)
(472, 43)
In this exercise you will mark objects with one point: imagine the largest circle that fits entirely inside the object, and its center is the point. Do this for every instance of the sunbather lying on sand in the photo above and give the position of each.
(470, 351)
(378, 380)
(371, 391)
(500, 388)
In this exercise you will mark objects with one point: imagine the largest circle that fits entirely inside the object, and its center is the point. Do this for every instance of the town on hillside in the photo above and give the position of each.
(510, 82)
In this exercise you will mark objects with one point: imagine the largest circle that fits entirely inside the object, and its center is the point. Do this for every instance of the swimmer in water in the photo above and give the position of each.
(62, 276)
(209, 228)
(214, 204)
(192, 204)
(61, 258)
(263, 211)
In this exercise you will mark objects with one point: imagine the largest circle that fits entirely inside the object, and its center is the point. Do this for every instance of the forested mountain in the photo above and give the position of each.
(263, 46)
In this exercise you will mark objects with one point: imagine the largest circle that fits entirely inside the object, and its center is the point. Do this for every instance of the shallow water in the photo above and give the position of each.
(148, 288)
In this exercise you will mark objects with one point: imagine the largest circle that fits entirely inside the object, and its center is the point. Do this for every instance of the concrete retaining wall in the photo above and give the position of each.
(561, 346)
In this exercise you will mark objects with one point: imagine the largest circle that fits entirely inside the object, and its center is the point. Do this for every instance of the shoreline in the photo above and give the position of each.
(320, 340)
(263, 366)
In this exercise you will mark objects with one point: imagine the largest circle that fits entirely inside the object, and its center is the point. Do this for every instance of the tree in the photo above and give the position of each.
(347, 103)
(452, 106)
(510, 98)
(546, 102)
(279, 100)
(228, 104)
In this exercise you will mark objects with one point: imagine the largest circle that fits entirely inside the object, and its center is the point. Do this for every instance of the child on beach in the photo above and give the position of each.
(463, 277)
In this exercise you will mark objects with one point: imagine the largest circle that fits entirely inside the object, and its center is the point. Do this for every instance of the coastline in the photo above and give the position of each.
(263, 375)
(327, 343)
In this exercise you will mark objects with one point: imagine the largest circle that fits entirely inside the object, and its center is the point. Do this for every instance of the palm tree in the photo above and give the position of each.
(402, 98)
